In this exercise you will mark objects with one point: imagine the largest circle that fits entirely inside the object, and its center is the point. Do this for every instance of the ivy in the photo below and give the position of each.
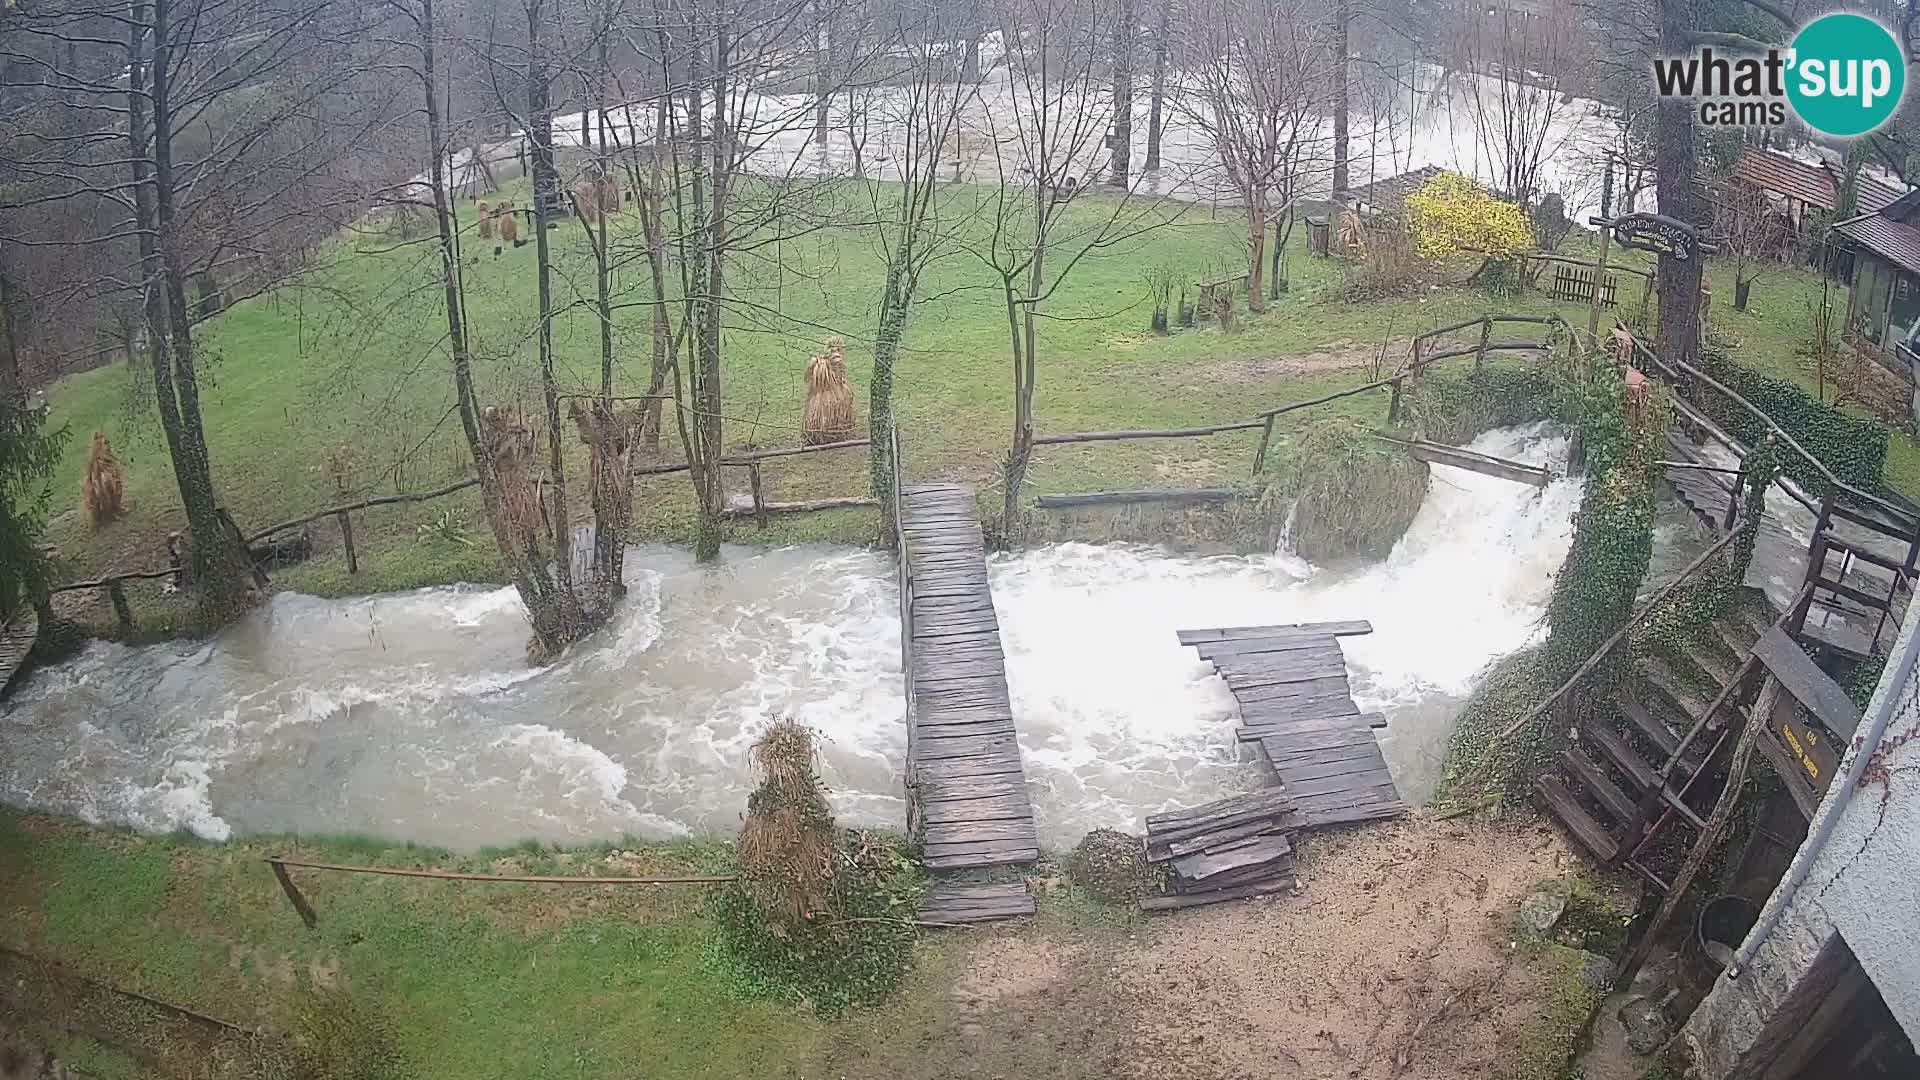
(28, 454)
(1854, 448)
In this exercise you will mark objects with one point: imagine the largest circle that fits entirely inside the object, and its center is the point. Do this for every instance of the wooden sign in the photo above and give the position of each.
(1659, 234)
(1804, 745)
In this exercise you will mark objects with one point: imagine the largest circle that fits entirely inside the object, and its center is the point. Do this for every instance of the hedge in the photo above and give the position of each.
(1855, 448)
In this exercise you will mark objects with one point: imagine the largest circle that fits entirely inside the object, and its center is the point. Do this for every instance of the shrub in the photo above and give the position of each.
(1347, 492)
(1450, 215)
(818, 915)
(1458, 406)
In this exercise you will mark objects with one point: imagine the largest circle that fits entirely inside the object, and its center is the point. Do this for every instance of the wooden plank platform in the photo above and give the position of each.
(1434, 453)
(963, 903)
(16, 641)
(1807, 683)
(966, 790)
(1297, 706)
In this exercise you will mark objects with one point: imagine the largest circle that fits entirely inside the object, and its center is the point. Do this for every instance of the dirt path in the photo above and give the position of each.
(1394, 962)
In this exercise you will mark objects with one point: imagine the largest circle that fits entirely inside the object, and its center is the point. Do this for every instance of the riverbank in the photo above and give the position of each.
(1398, 958)
(322, 393)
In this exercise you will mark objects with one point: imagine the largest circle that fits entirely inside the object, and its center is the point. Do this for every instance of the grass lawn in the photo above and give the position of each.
(336, 388)
(621, 974)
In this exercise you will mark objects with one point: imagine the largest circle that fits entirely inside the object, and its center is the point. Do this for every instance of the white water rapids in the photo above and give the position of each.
(414, 715)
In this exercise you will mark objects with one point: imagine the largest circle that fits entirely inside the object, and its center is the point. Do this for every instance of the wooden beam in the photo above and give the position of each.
(1442, 454)
(1168, 433)
(1118, 498)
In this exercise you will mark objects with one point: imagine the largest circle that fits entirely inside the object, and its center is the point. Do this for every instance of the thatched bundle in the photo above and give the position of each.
(597, 196)
(1347, 493)
(509, 225)
(829, 414)
(511, 439)
(486, 220)
(104, 484)
(788, 849)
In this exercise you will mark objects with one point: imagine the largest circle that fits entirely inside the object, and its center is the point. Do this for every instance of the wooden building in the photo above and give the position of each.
(1883, 301)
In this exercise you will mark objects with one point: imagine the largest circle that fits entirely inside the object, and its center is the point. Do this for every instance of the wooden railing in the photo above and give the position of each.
(1420, 356)
(906, 597)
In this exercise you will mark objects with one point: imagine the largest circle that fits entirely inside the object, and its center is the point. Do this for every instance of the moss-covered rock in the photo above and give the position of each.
(1111, 866)
(1346, 492)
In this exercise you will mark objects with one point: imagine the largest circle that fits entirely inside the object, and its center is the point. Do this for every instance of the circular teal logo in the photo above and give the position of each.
(1846, 74)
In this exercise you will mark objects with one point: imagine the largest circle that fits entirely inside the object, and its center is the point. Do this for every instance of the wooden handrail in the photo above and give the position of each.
(1169, 433)
(1780, 433)
(383, 500)
(524, 879)
(1608, 646)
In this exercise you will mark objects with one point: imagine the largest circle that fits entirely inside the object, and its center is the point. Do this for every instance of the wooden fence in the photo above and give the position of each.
(758, 507)
(1424, 351)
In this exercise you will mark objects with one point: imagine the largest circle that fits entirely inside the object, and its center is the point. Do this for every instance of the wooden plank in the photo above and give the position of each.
(1655, 731)
(1616, 750)
(1268, 799)
(1335, 629)
(963, 788)
(989, 808)
(1217, 896)
(1253, 851)
(1441, 454)
(1270, 713)
(1563, 806)
(1375, 776)
(967, 768)
(1807, 684)
(1598, 784)
(948, 833)
(1163, 850)
(1295, 772)
(1237, 647)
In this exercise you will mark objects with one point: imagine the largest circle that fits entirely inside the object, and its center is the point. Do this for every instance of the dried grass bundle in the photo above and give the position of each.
(829, 413)
(787, 846)
(104, 485)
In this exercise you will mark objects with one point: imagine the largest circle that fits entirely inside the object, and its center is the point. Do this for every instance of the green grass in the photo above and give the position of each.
(618, 972)
(349, 365)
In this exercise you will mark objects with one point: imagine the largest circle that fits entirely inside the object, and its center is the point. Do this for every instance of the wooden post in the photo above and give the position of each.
(1266, 439)
(122, 611)
(346, 537)
(1733, 500)
(299, 902)
(1606, 235)
(759, 504)
(1393, 406)
(1486, 332)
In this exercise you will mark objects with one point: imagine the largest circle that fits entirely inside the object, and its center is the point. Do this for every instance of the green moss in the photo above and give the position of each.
(1479, 763)
(1348, 492)
(1544, 1049)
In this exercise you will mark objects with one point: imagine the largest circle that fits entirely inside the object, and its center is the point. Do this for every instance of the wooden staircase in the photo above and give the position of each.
(1624, 778)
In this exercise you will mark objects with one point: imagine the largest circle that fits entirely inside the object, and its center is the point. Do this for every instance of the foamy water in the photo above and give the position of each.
(413, 715)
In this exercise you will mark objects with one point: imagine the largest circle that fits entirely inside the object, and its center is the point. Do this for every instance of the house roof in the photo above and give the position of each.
(1394, 189)
(1870, 194)
(1769, 170)
(1897, 242)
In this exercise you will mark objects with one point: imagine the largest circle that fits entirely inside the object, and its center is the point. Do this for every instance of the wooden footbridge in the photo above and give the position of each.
(966, 787)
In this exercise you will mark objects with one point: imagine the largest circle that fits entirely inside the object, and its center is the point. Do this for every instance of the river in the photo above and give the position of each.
(414, 715)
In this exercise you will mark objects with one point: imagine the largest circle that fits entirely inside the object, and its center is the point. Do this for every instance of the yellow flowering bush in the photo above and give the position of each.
(1452, 214)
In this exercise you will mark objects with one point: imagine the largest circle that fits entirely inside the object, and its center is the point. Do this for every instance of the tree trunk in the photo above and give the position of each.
(1121, 138)
(883, 468)
(652, 207)
(1340, 104)
(221, 571)
(708, 278)
(970, 64)
(1256, 252)
(1741, 287)
(822, 85)
(1678, 279)
(1158, 100)
(564, 621)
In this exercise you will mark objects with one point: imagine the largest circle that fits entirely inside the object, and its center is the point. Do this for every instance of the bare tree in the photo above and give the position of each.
(922, 113)
(1750, 236)
(1041, 224)
(1517, 107)
(1260, 72)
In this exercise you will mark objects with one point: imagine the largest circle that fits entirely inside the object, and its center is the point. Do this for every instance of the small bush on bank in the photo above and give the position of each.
(819, 915)
(1348, 493)
(1111, 866)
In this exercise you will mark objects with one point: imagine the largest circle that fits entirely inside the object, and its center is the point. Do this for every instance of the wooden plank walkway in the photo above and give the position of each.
(16, 641)
(966, 789)
(1295, 702)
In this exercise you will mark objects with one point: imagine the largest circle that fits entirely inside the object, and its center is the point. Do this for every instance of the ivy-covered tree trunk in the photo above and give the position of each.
(28, 455)
(884, 470)
(1678, 280)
